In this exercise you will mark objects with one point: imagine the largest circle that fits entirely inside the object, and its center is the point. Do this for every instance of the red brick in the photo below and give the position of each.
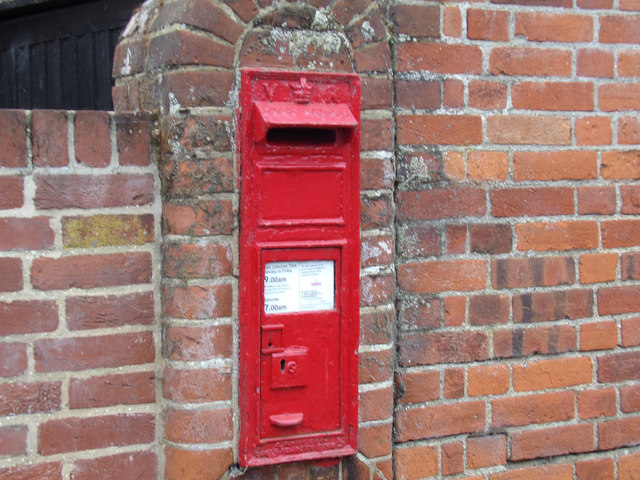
(555, 96)
(33, 316)
(196, 132)
(554, 27)
(440, 203)
(487, 166)
(452, 458)
(598, 336)
(630, 199)
(619, 29)
(420, 313)
(548, 166)
(73, 434)
(597, 469)
(368, 29)
(619, 97)
(13, 440)
(628, 131)
(415, 462)
(439, 58)
(50, 138)
(530, 409)
(180, 47)
(376, 93)
(375, 405)
(26, 234)
(207, 217)
(376, 173)
(375, 212)
(537, 62)
(430, 348)
(376, 289)
(92, 138)
(196, 464)
(630, 332)
(486, 451)
(38, 471)
(196, 386)
(441, 276)
(456, 239)
(27, 398)
(489, 309)
(619, 433)
(593, 131)
(439, 129)
(630, 398)
(261, 50)
(197, 89)
(105, 351)
(198, 426)
(534, 201)
(11, 195)
(598, 267)
(487, 95)
(490, 238)
(546, 340)
(93, 191)
(138, 465)
(595, 63)
(14, 359)
(593, 200)
(618, 367)
(91, 271)
(375, 367)
(419, 240)
(630, 5)
(452, 22)
(487, 25)
(197, 260)
(121, 389)
(453, 383)
(133, 130)
(198, 343)
(595, 4)
(417, 20)
(616, 300)
(568, 235)
(377, 250)
(537, 472)
(529, 130)
(13, 140)
(487, 380)
(551, 442)
(545, 3)
(596, 403)
(620, 233)
(418, 387)
(85, 313)
(375, 440)
(440, 421)
(376, 134)
(629, 63)
(453, 93)
(552, 373)
(530, 272)
(375, 327)
(293, 471)
(372, 58)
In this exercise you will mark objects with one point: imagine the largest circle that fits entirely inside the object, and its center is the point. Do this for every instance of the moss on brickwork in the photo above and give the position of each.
(107, 230)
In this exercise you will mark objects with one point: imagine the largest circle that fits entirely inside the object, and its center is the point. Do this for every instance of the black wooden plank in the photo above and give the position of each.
(102, 70)
(68, 72)
(52, 75)
(37, 76)
(7, 76)
(23, 87)
(84, 65)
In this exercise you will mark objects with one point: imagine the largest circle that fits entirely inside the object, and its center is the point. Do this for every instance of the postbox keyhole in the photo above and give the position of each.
(283, 363)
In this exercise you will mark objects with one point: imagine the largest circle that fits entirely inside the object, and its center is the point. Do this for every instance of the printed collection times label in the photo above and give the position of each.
(299, 286)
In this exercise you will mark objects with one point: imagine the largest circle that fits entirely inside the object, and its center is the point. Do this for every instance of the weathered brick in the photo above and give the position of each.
(181, 464)
(112, 311)
(617, 367)
(375, 440)
(26, 234)
(489, 309)
(196, 386)
(594, 200)
(487, 25)
(14, 359)
(79, 191)
(453, 93)
(551, 442)
(371, 58)
(374, 367)
(377, 250)
(376, 173)
(597, 469)
(629, 63)
(554, 27)
(91, 271)
(445, 275)
(453, 383)
(420, 94)
(455, 237)
(630, 199)
(549, 166)
(50, 471)
(376, 93)
(619, 97)
(13, 139)
(530, 409)
(531, 272)
(490, 238)
(598, 336)
(376, 289)
(628, 131)
(487, 95)
(519, 342)
(107, 230)
(260, 50)
(418, 348)
(598, 267)
(417, 20)
(529, 130)
(595, 63)
(439, 129)
(452, 22)
(618, 433)
(139, 465)
(530, 61)
(206, 217)
(557, 472)
(376, 134)
(375, 405)
(415, 462)
(27, 398)
(439, 58)
(32, 316)
(616, 300)
(487, 166)
(375, 327)
(92, 139)
(81, 353)
(180, 47)
(418, 387)
(593, 131)
(198, 426)
(13, 440)
(629, 398)
(619, 29)
(50, 138)
(197, 260)
(198, 302)
(11, 195)
(552, 373)
(120, 389)
(440, 203)
(452, 458)
(133, 131)
(375, 212)
(488, 380)
(630, 332)
(196, 177)
(440, 421)
(74, 434)
(486, 451)
(534, 201)
(569, 235)
(596, 403)
(197, 343)
(620, 233)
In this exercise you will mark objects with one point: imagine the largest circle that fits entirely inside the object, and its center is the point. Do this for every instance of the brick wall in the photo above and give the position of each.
(500, 299)
(78, 223)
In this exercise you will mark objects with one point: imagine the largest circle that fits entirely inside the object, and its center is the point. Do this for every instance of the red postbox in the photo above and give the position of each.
(299, 144)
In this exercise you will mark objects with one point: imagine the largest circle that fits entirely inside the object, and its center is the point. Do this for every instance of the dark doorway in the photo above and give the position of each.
(59, 53)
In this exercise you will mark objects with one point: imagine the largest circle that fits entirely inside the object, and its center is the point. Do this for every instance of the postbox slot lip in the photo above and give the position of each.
(302, 124)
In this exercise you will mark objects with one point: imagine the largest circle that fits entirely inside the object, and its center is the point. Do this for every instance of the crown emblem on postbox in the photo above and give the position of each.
(302, 92)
